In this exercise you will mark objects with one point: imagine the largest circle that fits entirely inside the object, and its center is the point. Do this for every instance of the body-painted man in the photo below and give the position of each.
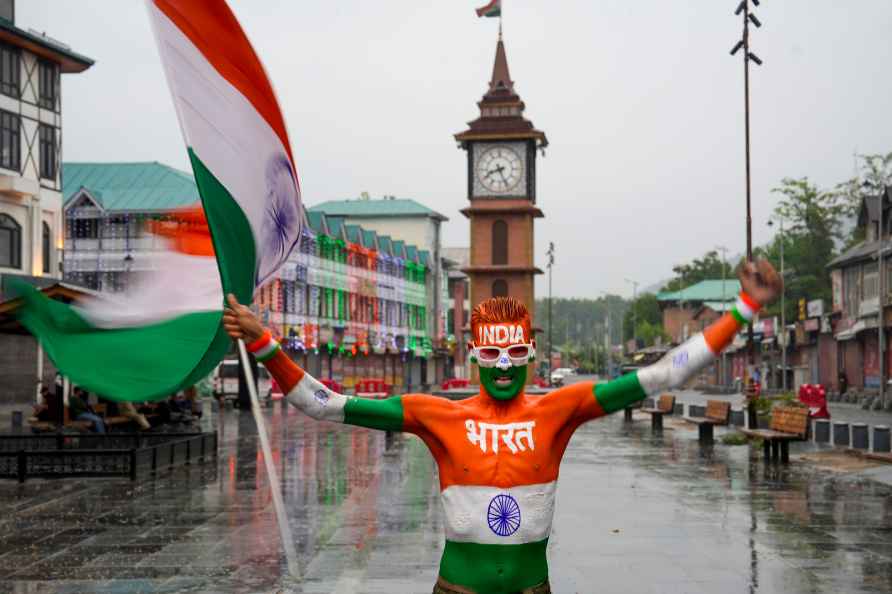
(499, 452)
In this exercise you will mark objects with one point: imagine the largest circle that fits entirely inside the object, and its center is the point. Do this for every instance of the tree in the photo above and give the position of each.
(646, 314)
(706, 268)
(813, 220)
(874, 173)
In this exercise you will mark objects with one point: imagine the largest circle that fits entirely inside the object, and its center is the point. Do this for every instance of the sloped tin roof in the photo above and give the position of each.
(708, 290)
(397, 207)
(130, 187)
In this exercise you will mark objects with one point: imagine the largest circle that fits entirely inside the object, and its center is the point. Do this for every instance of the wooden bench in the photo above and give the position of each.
(788, 423)
(627, 412)
(665, 406)
(717, 413)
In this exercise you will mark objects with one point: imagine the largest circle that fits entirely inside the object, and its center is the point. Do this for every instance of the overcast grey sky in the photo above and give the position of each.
(640, 100)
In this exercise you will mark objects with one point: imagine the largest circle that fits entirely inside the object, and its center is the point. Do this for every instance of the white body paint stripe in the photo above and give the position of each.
(744, 310)
(677, 366)
(467, 513)
(317, 401)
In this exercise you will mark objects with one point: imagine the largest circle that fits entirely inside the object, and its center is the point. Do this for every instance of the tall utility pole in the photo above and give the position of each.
(634, 313)
(724, 365)
(744, 9)
(550, 254)
(782, 335)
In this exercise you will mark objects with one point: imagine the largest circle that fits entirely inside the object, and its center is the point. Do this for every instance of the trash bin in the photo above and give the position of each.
(841, 434)
(822, 431)
(859, 436)
(881, 438)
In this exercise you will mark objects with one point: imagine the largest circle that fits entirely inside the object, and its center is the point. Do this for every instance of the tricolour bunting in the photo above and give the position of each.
(167, 335)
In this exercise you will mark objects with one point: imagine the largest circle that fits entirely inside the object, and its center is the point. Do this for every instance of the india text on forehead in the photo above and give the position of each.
(500, 334)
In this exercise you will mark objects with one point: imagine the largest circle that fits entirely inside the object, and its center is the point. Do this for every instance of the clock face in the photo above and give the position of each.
(499, 169)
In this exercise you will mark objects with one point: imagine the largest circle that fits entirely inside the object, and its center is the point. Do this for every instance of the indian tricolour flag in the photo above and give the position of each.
(165, 333)
(493, 9)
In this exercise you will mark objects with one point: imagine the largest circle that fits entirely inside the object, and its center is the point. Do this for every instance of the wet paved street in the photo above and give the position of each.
(635, 513)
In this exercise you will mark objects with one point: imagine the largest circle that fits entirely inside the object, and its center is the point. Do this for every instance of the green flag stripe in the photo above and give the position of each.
(619, 393)
(231, 232)
(384, 414)
(134, 363)
(494, 568)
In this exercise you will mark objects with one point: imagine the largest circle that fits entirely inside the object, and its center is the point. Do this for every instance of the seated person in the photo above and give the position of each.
(80, 410)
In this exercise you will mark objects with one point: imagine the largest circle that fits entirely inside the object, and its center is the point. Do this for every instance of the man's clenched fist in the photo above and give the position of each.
(240, 322)
(761, 281)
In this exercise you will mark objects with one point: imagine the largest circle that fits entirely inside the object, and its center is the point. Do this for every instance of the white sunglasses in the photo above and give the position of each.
(517, 354)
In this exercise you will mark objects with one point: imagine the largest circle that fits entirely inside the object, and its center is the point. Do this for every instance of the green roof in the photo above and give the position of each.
(385, 244)
(411, 252)
(130, 187)
(397, 207)
(399, 248)
(369, 238)
(316, 220)
(334, 226)
(708, 290)
(354, 233)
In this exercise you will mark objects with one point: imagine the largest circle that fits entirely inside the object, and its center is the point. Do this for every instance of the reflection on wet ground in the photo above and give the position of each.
(635, 513)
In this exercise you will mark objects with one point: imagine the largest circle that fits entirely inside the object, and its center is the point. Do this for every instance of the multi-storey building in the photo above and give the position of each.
(416, 224)
(348, 304)
(859, 308)
(31, 65)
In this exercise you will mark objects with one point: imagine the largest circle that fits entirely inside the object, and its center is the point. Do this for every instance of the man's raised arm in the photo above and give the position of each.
(761, 285)
(300, 388)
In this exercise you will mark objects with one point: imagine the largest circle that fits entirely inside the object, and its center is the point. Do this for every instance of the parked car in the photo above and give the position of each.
(559, 374)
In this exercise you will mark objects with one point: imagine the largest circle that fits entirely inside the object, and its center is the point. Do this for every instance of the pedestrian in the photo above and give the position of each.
(499, 452)
(843, 382)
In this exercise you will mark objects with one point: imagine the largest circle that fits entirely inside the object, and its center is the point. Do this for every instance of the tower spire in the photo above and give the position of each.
(501, 78)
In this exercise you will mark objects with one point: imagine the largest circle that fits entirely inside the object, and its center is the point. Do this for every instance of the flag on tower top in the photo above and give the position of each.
(493, 9)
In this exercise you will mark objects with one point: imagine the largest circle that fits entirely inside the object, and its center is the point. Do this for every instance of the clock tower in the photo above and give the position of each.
(502, 147)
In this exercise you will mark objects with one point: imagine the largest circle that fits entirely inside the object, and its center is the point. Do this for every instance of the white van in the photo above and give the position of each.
(226, 379)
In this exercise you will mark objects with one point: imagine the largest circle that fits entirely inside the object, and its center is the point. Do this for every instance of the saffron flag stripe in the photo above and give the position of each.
(215, 32)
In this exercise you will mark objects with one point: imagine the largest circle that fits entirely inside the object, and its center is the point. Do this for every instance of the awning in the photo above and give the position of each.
(852, 331)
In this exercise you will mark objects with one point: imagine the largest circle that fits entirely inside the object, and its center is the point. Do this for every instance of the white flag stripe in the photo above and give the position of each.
(177, 284)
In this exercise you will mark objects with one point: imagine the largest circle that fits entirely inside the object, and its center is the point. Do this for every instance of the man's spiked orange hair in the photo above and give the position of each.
(501, 310)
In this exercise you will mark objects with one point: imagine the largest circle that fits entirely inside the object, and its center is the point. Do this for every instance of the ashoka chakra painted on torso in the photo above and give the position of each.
(503, 515)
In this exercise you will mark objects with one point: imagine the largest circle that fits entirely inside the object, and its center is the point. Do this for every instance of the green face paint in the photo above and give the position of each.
(503, 390)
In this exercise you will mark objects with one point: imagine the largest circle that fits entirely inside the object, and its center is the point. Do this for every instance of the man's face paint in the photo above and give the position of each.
(504, 377)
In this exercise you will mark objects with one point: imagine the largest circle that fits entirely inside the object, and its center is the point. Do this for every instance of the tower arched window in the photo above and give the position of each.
(499, 288)
(47, 247)
(500, 242)
(10, 242)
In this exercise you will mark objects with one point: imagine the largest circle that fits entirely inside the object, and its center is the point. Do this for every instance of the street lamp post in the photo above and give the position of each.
(744, 9)
(634, 313)
(606, 297)
(550, 254)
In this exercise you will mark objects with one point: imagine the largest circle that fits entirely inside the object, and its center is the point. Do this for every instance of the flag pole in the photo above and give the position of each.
(274, 486)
